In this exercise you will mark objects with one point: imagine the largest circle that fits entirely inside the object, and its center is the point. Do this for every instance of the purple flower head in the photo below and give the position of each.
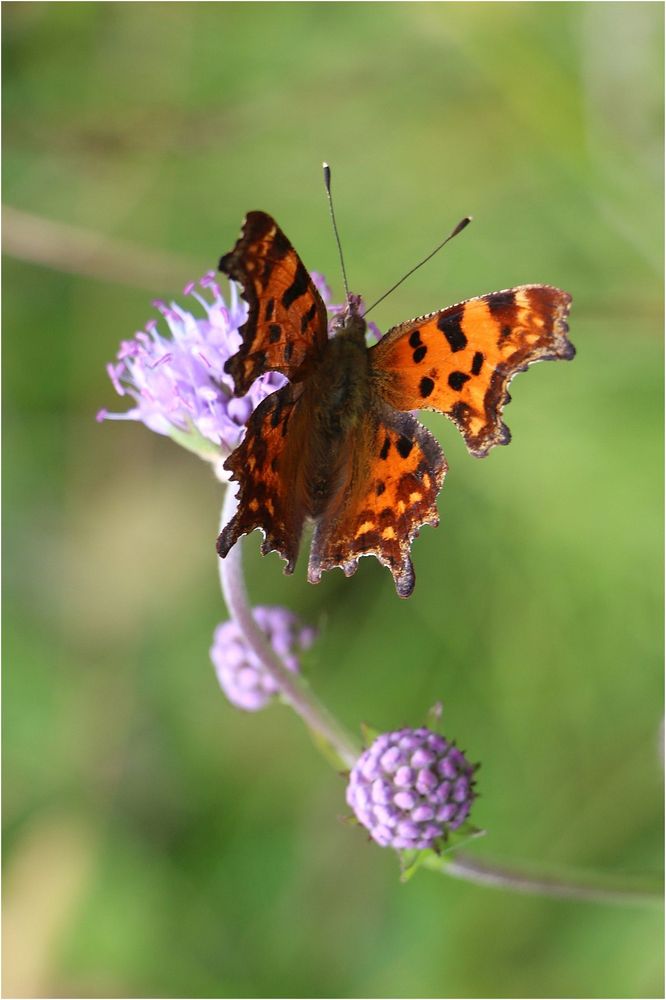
(241, 675)
(178, 382)
(410, 787)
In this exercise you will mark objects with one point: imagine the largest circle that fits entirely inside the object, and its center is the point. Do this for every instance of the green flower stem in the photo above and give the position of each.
(584, 887)
(293, 688)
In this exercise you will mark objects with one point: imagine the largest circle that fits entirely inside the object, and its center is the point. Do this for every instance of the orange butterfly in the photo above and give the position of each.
(338, 443)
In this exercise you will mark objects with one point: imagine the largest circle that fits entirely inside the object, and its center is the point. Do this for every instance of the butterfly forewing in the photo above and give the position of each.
(266, 464)
(461, 360)
(286, 326)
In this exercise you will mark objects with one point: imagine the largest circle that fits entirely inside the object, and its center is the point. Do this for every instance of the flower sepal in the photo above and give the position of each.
(369, 734)
(435, 717)
(411, 860)
(195, 442)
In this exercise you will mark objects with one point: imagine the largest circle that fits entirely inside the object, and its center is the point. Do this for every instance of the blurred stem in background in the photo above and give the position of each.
(36, 240)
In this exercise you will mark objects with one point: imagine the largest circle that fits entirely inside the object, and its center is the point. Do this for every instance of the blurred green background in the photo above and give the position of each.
(157, 842)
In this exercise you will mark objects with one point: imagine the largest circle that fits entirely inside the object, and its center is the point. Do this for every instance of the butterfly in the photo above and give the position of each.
(338, 444)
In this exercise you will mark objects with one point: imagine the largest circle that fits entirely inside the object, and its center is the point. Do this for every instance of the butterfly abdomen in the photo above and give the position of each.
(335, 400)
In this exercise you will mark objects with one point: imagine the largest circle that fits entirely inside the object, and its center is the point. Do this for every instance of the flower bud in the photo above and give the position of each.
(410, 787)
(240, 673)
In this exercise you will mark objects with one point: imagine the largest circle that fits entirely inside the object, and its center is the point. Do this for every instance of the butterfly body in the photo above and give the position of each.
(335, 400)
(338, 445)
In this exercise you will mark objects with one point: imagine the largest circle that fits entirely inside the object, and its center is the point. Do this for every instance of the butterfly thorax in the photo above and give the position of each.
(348, 323)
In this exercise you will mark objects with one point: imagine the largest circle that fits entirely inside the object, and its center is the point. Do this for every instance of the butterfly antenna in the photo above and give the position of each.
(327, 182)
(459, 228)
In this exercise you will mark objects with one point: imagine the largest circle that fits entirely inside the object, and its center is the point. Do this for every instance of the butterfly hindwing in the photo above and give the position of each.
(396, 470)
(287, 320)
(460, 360)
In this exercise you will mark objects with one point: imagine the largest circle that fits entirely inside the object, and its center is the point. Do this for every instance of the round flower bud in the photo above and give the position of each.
(410, 787)
(241, 675)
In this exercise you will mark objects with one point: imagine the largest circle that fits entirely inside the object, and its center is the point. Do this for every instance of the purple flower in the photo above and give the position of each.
(178, 383)
(410, 787)
(241, 675)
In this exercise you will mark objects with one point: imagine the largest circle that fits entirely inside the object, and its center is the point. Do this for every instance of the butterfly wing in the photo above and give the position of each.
(395, 471)
(460, 361)
(266, 464)
(287, 322)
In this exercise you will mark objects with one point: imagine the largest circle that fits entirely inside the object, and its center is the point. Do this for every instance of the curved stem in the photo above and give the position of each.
(293, 688)
(590, 888)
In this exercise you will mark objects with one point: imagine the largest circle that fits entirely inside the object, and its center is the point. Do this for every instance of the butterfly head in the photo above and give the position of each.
(350, 322)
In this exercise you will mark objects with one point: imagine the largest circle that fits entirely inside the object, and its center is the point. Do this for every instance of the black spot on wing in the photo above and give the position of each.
(404, 446)
(280, 245)
(415, 338)
(274, 332)
(420, 353)
(308, 316)
(385, 447)
(457, 380)
(452, 330)
(501, 301)
(298, 287)
(477, 363)
(426, 385)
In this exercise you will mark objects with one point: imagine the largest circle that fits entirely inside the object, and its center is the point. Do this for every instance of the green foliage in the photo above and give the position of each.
(185, 848)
